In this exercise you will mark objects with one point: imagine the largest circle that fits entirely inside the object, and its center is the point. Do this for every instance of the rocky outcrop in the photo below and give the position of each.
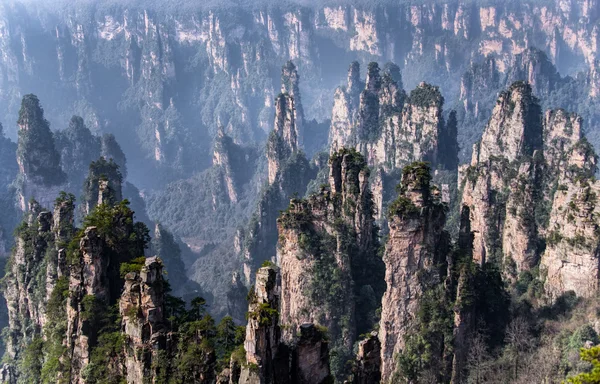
(387, 127)
(95, 283)
(344, 115)
(327, 257)
(268, 358)
(515, 127)
(534, 67)
(391, 129)
(562, 130)
(289, 173)
(287, 136)
(63, 228)
(41, 176)
(88, 293)
(222, 158)
(37, 262)
(415, 252)
(283, 141)
(477, 83)
(484, 80)
(102, 186)
(78, 147)
(143, 320)
(508, 158)
(310, 359)
(514, 173)
(570, 261)
(290, 84)
(263, 333)
(463, 325)
(367, 367)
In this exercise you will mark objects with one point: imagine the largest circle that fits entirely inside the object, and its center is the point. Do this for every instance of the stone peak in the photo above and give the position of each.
(515, 127)
(354, 83)
(416, 183)
(373, 77)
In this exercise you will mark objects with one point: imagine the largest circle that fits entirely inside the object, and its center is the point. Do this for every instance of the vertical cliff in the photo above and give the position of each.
(78, 147)
(289, 173)
(144, 322)
(269, 359)
(103, 185)
(415, 258)
(283, 141)
(89, 280)
(518, 185)
(40, 174)
(35, 266)
(502, 184)
(570, 261)
(390, 128)
(328, 258)
(344, 115)
(230, 160)
(263, 332)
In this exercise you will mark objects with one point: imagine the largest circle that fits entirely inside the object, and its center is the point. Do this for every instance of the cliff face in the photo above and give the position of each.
(144, 52)
(102, 186)
(268, 358)
(289, 173)
(415, 252)
(40, 173)
(570, 261)
(531, 178)
(387, 127)
(88, 279)
(38, 260)
(392, 129)
(230, 160)
(502, 184)
(141, 307)
(284, 141)
(485, 79)
(327, 253)
(263, 333)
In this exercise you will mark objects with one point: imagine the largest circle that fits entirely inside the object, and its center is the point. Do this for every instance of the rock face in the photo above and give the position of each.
(103, 185)
(327, 244)
(570, 261)
(39, 162)
(230, 159)
(289, 173)
(143, 320)
(415, 250)
(368, 361)
(530, 178)
(38, 260)
(144, 50)
(263, 333)
(508, 158)
(284, 140)
(484, 80)
(344, 116)
(290, 85)
(268, 358)
(89, 281)
(95, 284)
(78, 147)
(390, 128)
(515, 128)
